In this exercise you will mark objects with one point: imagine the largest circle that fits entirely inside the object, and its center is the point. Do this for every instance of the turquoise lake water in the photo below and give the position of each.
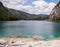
(42, 29)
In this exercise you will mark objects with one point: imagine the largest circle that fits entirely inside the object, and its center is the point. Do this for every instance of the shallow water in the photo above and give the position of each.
(42, 29)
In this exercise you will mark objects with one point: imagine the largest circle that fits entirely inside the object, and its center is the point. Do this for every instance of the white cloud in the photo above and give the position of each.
(40, 6)
(15, 4)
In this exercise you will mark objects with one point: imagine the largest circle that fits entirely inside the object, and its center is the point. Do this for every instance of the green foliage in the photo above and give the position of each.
(6, 15)
(56, 19)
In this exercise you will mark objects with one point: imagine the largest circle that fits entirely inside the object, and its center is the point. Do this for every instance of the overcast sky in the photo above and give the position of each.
(31, 6)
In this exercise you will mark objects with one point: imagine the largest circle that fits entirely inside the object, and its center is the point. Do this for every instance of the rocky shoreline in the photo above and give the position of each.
(28, 42)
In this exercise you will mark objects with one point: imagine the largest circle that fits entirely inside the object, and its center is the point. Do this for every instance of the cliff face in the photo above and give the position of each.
(55, 13)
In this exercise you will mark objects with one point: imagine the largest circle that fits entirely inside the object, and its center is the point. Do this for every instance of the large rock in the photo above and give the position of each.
(55, 13)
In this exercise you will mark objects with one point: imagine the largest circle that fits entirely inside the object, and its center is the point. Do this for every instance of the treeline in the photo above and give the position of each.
(56, 19)
(6, 15)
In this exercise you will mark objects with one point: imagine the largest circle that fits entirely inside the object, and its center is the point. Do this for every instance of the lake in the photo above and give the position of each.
(42, 29)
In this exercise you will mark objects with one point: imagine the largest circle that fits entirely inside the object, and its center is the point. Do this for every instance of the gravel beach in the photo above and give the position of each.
(28, 42)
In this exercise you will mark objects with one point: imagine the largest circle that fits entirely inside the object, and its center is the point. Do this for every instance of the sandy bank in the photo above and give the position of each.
(28, 42)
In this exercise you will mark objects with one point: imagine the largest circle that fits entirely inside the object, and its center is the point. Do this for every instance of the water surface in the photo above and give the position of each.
(42, 29)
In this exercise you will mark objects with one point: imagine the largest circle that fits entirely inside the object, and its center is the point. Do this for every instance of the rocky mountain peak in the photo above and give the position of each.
(58, 4)
(55, 13)
(1, 4)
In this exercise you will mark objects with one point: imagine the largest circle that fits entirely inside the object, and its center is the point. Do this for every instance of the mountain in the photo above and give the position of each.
(7, 14)
(27, 16)
(1, 5)
(55, 13)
